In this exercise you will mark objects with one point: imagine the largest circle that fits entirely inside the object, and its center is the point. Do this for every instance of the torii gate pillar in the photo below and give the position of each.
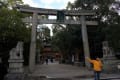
(33, 43)
(85, 40)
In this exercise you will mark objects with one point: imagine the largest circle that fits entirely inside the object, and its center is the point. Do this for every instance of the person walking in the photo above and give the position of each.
(46, 60)
(51, 59)
(97, 67)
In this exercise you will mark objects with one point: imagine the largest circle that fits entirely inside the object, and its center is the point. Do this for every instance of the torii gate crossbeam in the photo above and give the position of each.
(42, 11)
(53, 21)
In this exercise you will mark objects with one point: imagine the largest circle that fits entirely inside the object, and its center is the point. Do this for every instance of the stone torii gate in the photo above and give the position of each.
(42, 11)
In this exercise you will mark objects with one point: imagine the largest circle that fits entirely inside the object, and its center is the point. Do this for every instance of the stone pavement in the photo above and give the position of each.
(56, 71)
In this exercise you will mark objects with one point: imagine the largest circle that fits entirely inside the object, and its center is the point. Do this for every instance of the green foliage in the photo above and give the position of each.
(12, 26)
(113, 36)
(108, 29)
(63, 41)
(12, 30)
(46, 32)
(2, 4)
(108, 19)
(67, 39)
(12, 3)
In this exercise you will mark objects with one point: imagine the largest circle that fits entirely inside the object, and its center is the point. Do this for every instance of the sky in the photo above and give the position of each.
(53, 4)
(50, 4)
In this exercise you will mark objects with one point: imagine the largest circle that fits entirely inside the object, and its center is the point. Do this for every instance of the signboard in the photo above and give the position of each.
(60, 16)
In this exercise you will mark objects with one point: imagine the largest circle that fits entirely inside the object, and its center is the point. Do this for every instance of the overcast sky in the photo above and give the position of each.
(54, 4)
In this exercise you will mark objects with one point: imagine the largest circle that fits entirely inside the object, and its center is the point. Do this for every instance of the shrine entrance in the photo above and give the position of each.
(61, 19)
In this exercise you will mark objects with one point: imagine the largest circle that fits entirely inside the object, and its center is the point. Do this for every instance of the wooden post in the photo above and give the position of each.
(33, 43)
(85, 40)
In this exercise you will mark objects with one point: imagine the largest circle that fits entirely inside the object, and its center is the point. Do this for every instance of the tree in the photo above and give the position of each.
(66, 40)
(2, 4)
(107, 16)
(12, 30)
(12, 3)
(62, 40)
(11, 26)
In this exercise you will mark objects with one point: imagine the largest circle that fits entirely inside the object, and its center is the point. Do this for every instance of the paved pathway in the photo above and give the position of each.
(55, 71)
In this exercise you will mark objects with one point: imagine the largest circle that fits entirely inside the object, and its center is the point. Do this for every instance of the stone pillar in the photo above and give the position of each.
(85, 40)
(33, 43)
